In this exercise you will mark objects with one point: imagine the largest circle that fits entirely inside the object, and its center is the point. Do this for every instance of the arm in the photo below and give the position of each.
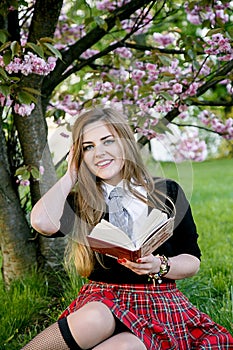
(181, 249)
(47, 212)
(181, 266)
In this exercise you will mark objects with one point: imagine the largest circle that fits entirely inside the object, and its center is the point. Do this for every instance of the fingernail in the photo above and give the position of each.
(139, 261)
(124, 261)
(119, 261)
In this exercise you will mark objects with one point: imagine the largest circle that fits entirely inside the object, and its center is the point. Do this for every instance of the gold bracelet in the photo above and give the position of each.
(164, 268)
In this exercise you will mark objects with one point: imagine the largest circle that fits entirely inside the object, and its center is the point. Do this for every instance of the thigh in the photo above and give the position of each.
(91, 324)
(121, 341)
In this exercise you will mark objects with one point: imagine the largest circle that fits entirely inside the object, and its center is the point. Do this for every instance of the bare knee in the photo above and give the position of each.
(121, 341)
(128, 341)
(91, 324)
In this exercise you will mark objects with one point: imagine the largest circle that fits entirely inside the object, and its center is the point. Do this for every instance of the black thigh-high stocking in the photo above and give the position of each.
(55, 337)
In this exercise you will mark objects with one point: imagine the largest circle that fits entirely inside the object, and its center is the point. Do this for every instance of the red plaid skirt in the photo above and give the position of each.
(161, 316)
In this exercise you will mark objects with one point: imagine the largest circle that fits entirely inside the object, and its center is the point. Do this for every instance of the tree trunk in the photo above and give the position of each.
(18, 252)
(32, 132)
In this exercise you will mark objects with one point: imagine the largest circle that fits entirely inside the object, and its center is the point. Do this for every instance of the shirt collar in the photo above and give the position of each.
(108, 188)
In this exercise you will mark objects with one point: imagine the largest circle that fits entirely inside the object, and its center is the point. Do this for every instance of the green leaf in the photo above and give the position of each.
(3, 35)
(31, 91)
(88, 20)
(25, 97)
(166, 95)
(5, 89)
(58, 113)
(54, 51)
(37, 49)
(165, 60)
(35, 172)
(15, 48)
(214, 31)
(101, 22)
(7, 58)
(230, 31)
(118, 23)
(161, 128)
(191, 54)
(3, 74)
(46, 39)
(21, 170)
(5, 46)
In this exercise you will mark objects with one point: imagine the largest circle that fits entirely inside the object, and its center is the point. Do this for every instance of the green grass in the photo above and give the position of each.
(209, 186)
(31, 305)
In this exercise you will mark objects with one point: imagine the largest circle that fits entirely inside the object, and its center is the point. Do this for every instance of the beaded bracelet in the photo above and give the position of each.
(164, 268)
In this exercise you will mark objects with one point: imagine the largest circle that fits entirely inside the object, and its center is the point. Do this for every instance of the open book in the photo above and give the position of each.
(108, 239)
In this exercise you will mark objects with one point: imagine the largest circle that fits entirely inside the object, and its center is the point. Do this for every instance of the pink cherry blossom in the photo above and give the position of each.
(24, 183)
(177, 88)
(164, 39)
(123, 52)
(30, 63)
(41, 169)
(2, 99)
(23, 109)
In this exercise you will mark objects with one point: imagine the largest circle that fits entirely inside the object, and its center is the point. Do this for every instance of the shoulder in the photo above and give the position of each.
(167, 186)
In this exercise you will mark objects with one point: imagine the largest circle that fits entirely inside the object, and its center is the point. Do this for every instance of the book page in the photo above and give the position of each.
(107, 232)
(153, 221)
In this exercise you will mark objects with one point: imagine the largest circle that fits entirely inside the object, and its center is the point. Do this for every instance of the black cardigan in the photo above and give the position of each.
(183, 240)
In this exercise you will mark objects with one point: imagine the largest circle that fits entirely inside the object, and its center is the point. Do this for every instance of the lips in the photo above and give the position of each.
(104, 163)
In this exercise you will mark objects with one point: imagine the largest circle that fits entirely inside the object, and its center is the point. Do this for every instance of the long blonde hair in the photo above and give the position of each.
(89, 199)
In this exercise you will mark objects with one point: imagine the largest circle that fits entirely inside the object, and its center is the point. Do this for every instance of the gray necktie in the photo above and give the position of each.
(118, 215)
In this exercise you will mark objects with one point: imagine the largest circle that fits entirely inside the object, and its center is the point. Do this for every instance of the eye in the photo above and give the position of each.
(109, 141)
(88, 148)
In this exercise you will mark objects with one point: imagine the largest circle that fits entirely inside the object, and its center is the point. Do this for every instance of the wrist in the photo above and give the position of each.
(70, 179)
(163, 269)
(67, 182)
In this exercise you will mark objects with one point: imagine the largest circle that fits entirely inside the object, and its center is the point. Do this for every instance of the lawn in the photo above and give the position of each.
(31, 304)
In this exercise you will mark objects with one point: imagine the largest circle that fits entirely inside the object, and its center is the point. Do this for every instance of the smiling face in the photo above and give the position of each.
(103, 152)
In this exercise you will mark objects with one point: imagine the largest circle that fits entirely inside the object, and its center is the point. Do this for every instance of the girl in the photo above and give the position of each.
(125, 304)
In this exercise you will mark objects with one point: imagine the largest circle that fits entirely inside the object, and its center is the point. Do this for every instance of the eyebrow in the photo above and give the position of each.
(102, 139)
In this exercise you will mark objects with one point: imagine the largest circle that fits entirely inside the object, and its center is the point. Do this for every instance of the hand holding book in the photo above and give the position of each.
(108, 239)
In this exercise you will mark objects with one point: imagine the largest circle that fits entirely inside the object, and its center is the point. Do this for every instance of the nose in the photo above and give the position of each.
(99, 150)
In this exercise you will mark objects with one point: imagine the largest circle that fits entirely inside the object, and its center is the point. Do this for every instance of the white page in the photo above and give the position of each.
(108, 232)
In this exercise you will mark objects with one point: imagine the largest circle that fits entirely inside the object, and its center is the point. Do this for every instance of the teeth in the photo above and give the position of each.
(104, 162)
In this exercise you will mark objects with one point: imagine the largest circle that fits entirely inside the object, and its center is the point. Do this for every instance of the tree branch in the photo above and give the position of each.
(155, 49)
(91, 38)
(198, 127)
(213, 103)
(219, 76)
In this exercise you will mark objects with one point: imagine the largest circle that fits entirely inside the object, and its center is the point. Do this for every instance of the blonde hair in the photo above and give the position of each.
(89, 199)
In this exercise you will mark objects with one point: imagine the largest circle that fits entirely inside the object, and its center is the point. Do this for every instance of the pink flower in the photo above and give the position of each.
(177, 88)
(2, 99)
(23, 109)
(89, 53)
(24, 182)
(164, 39)
(41, 169)
(123, 52)
(194, 19)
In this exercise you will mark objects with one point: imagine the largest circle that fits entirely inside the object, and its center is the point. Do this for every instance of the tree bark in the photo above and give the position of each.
(18, 252)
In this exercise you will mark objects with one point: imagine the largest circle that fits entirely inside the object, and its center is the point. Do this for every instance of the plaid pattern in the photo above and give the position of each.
(161, 316)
